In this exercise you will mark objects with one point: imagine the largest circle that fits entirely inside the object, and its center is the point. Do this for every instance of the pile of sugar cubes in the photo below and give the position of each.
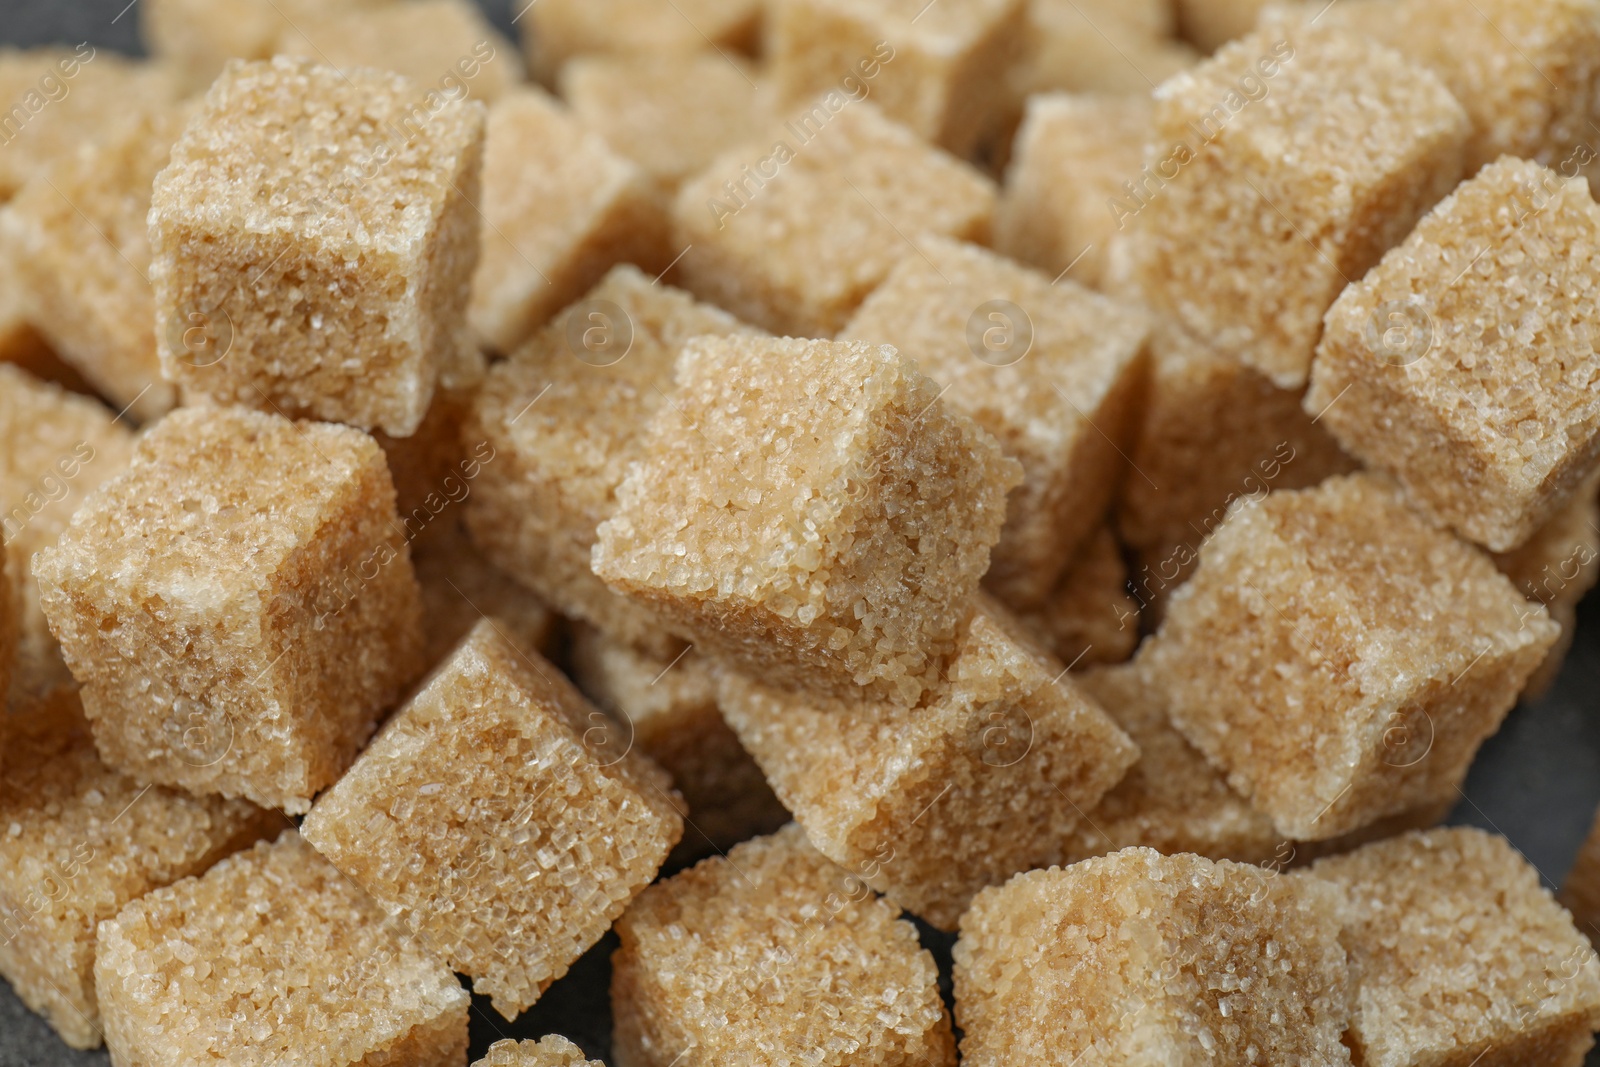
(732, 477)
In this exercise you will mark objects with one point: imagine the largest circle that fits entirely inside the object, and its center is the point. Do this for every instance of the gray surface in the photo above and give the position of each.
(1537, 782)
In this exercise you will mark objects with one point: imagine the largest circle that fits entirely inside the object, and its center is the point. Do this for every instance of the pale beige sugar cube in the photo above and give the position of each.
(58, 447)
(273, 957)
(1142, 958)
(560, 208)
(1052, 370)
(556, 31)
(446, 46)
(1463, 365)
(1102, 48)
(1212, 431)
(1580, 891)
(1210, 24)
(1324, 631)
(813, 511)
(1459, 956)
(793, 230)
(21, 345)
(669, 708)
(1064, 194)
(770, 955)
(459, 588)
(991, 775)
(500, 819)
(670, 114)
(196, 38)
(82, 841)
(314, 238)
(939, 69)
(1089, 618)
(54, 100)
(1279, 170)
(239, 605)
(78, 234)
(563, 418)
(551, 1051)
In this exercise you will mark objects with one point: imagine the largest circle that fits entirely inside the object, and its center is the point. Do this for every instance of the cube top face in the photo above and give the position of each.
(808, 493)
(272, 956)
(1457, 952)
(796, 229)
(1323, 632)
(1471, 341)
(716, 962)
(1240, 961)
(521, 798)
(552, 1051)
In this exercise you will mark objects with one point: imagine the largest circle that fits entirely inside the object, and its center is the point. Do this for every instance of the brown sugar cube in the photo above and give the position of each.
(1053, 371)
(1213, 431)
(1459, 956)
(1142, 958)
(21, 345)
(1074, 155)
(58, 99)
(1580, 893)
(460, 587)
(10, 622)
(1462, 363)
(56, 448)
(792, 231)
(767, 952)
(433, 469)
(285, 276)
(239, 606)
(1282, 168)
(835, 548)
(1021, 752)
(1089, 618)
(81, 842)
(669, 708)
(1210, 24)
(552, 1051)
(1340, 657)
(670, 114)
(446, 46)
(1102, 48)
(560, 208)
(78, 232)
(272, 957)
(557, 30)
(563, 418)
(499, 819)
(196, 38)
(938, 69)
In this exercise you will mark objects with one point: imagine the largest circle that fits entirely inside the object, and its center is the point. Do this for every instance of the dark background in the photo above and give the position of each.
(1537, 781)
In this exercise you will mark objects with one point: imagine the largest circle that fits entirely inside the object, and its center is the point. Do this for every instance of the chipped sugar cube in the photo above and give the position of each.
(1459, 956)
(812, 510)
(196, 38)
(238, 606)
(1281, 168)
(560, 208)
(1140, 958)
(499, 819)
(314, 238)
(793, 230)
(56, 448)
(445, 46)
(1462, 364)
(670, 114)
(1212, 431)
(1089, 618)
(562, 420)
(1103, 48)
(1052, 370)
(990, 776)
(770, 950)
(82, 841)
(273, 957)
(459, 587)
(669, 708)
(937, 68)
(552, 1051)
(556, 31)
(79, 237)
(1340, 657)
